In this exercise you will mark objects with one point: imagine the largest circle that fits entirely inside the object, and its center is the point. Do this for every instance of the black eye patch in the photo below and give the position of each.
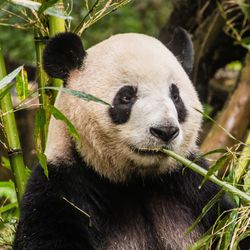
(122, 104)
(179, 105)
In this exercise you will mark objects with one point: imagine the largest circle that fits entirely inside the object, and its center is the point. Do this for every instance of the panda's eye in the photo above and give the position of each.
(126, 99)
(176, 97)
(125, 96)
(174, 92)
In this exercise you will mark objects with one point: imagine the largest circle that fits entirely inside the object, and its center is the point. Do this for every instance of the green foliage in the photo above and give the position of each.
(7, 231)
(82, 95)
(5, 162)
(232, 227)
(40, 123)
(138, 16)
(45, 5)
(60, 116)
(219, 164)
(45, 8)
(7, 190)
(10, 77)
(22, 85)
(237, 16)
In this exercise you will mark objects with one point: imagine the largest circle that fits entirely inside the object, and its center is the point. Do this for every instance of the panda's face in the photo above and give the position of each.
(149, 116)
(153, 105)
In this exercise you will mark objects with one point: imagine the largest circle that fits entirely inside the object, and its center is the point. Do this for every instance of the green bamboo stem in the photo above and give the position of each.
(224, 185)
(14, 146)
(41, 80)
(56, 25)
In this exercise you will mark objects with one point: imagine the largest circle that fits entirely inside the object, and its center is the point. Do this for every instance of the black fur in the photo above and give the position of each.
(182, 47)
(48, 222)
(179, 105)
(62, 54)
(122, 104)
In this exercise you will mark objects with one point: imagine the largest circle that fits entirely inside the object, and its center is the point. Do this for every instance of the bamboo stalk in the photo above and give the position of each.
(56, 25)
(194, 167)
(234, 117)
(41, 80)
(11, 132)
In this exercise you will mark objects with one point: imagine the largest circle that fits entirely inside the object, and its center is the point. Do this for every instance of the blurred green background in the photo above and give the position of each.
(147, 16)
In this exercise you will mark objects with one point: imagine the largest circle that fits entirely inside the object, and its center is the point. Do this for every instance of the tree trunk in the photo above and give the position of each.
(235, 116)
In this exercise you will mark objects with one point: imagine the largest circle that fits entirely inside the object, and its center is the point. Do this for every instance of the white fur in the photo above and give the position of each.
(126, 59)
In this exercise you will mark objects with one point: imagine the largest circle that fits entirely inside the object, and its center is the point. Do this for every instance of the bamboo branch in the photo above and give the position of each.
(194, 167)
(11, 132)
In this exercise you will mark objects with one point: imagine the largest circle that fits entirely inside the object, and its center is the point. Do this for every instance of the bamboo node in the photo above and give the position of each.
(17, 151)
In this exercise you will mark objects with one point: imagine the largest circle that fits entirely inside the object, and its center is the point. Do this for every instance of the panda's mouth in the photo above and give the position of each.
(147, 151)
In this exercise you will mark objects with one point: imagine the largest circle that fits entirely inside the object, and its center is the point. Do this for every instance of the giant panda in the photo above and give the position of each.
(110, 190)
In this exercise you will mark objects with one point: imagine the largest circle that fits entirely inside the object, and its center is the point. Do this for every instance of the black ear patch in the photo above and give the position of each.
(182, 47)
(63, 53)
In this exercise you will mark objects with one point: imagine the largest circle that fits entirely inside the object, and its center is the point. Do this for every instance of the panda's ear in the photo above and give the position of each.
(63, 53)
(182, 47)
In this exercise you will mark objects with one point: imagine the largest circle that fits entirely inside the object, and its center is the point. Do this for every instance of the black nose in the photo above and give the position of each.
(166, 133)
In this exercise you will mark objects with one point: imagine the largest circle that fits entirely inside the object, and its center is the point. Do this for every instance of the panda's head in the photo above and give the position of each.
(153, 102)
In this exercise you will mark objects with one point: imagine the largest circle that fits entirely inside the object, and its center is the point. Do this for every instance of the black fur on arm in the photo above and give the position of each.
(47, 221)
(63, 53)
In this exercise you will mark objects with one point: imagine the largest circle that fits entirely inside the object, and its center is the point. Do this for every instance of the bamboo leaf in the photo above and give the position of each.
(6, 90)
(215, 167)
(27, 172)
(35, 6)
(22, 86)
(205, 209)
(7, 189)
(226, 237)
(211, 119)
(10, 77)
(8, 207)
(5, 162)
(47, 4)
(52, 11)
(60, 116)
(32, 5)
(79, 94)
(40, 122)
(216, 151)
(43, 161)
(7, 184)
(199, 244)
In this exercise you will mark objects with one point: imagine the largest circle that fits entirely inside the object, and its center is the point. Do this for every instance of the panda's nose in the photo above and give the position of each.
(165, 133)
